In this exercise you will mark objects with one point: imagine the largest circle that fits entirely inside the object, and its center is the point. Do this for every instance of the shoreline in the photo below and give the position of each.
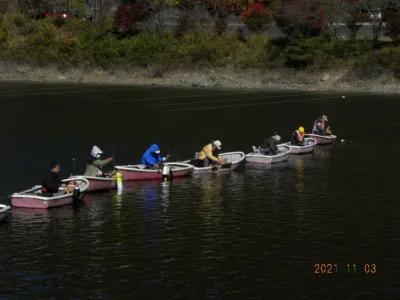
(339, 80)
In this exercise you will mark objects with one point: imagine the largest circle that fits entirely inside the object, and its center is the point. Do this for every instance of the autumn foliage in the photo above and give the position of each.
(303, 17)
(127, 16)
(257, 16)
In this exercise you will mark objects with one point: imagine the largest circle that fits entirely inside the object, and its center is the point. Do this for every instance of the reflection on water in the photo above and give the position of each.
(300, 175)
(164, 194)
(254, 233)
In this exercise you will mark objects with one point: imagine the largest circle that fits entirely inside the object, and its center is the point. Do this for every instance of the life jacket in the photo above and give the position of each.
(299, 136)
(319, 120)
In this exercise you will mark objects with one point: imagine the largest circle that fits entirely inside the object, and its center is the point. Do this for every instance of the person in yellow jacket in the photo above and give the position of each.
(209, 154)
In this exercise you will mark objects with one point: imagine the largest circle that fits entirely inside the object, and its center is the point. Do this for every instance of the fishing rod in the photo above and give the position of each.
(73, 164)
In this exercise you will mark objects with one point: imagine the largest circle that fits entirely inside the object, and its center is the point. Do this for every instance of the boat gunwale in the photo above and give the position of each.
(182, 166)
(4, 208)
(23, 194)
(252, 154)
(236, 163)
(79, 177)
(301, 147)
(327, 137)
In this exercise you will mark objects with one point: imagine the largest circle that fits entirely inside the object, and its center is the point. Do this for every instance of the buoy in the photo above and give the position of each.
(118, 175)
(342, 140)
(343, 97)
(166, 171)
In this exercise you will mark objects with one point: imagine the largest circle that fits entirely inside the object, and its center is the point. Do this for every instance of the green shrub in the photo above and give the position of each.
(307, 52)
(77, 42)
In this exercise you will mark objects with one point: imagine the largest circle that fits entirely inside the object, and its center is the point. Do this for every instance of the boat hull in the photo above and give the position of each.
(132, 172)
(322, 139)
(40, 202)
(298, 150)
(234, 158)
(32, 198)
(98, 183)
(259, 158)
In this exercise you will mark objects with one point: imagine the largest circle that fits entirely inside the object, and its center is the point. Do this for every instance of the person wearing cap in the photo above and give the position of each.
(94, 165)
(270, 145)
(151, 159)
(209, 154)
(298, 137)
(51, 181)
(319, 126)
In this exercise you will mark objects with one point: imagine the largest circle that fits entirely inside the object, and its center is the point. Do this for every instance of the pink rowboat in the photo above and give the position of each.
(97, 183)
(34, 198)
(135, 172)
(322, 139)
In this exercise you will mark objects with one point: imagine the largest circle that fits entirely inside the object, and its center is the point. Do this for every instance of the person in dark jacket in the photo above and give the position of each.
(270, 145)
(51, 181)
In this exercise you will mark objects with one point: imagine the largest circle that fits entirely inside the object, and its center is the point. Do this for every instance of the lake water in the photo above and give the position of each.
(256, 233)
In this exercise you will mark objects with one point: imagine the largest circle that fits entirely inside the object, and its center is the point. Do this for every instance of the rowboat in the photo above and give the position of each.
(34, 198)
(256, 157)
(322, 139)
(97, 183)
(232, 161)
(307, 148)
(137, 172)
(4, 212)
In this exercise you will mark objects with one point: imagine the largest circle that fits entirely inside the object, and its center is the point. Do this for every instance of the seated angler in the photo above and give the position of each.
(210, 154)
(319, 126)
(51, 181)
(152, 159)
(270, 145)
(298, 137)
(95, 165)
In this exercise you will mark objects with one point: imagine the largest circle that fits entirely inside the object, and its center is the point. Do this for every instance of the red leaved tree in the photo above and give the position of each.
(257, 17)
(299, 16)
(127, 17)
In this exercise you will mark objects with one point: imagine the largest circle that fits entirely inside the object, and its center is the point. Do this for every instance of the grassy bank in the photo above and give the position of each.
(78, 44)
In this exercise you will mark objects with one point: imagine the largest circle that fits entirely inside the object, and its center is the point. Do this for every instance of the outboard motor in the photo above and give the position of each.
(77, 192)
(166, 173)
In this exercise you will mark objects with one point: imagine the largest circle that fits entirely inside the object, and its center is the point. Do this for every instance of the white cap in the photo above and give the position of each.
(276, 137)
(324, 118)
(218, 144)
(158, 151)
(96, 152)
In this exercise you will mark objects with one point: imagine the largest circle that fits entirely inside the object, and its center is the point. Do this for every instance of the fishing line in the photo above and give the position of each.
(45, 89)
(230, 100)
(83, 91)
(253, 104)
(188, 96)
(6, 83)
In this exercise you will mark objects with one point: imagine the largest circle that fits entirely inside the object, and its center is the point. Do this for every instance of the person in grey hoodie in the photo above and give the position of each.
(95, 165)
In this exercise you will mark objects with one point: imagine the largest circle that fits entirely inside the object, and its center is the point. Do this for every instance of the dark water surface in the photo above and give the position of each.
(254, 234)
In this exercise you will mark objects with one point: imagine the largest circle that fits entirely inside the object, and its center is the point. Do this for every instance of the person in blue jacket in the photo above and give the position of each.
(151, 158)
